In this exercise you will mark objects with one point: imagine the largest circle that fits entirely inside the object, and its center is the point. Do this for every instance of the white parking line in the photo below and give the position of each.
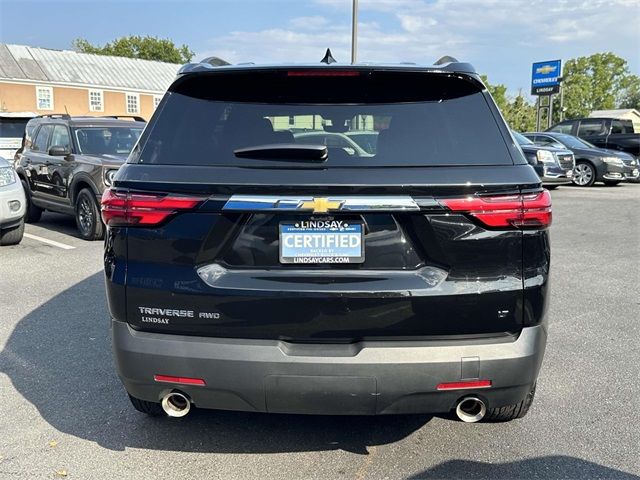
(64, 246)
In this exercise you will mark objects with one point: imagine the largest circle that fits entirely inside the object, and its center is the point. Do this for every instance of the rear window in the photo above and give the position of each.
(410, 119)
(621, 126)
(591, 127)
(106, 140)
(12, 127)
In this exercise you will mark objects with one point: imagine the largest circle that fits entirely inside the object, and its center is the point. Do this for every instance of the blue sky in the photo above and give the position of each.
(501, 37)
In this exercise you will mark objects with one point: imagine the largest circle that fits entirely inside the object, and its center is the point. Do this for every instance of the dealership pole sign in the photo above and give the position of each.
(546, 77)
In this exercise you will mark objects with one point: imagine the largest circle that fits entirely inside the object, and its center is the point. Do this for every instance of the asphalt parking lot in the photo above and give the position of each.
(64, 412)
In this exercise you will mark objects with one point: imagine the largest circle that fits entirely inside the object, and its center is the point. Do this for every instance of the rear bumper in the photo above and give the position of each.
(365, 378)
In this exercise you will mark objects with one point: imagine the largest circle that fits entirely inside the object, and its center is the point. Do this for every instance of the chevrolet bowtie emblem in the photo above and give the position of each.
(320, 205)
(545, 69)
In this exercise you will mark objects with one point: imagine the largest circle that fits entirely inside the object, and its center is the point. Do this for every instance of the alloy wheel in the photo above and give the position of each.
(85, 215)
(582, 174)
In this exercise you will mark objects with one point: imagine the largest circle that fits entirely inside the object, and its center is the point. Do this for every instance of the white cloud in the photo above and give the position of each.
(415, 23)
(494, 34)
(312, 22)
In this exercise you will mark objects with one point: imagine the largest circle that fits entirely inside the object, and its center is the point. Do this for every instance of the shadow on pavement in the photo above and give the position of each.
(59, 359)
(550, 467)
(60, 223)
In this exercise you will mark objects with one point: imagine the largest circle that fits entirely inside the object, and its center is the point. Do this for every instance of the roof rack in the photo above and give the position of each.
(65, 116)
(135, 118)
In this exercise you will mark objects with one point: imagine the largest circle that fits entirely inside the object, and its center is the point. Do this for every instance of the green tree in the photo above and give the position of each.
(134, 46)
(598, 82)
(498, 92)
(630, 97)
(518, 112)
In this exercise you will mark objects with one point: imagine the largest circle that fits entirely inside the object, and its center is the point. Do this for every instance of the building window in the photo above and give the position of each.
(133, 103)
(44, 98)
(156, 101)
(96, 101)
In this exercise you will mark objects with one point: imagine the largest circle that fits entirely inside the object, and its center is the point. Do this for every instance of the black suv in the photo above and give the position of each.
(65, 163)
(611, 133)
(246, 271)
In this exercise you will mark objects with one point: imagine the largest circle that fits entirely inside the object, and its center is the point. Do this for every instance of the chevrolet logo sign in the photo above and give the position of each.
(321, 205)
(546, 69)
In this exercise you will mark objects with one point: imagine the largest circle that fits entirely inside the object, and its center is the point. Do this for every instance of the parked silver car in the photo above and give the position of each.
(12, 205)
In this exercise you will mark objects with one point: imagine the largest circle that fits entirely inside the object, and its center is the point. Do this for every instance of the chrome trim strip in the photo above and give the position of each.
(348, 203)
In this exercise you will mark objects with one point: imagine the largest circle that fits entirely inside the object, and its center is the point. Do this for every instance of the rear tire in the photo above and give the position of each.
(611, 183)
(33, 213)
(511, 412)
(551, 187)
(88, 219)
(152, 409)
(584, 175)
(13, 235)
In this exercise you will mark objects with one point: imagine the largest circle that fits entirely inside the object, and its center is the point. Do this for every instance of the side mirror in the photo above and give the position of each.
(59, 151)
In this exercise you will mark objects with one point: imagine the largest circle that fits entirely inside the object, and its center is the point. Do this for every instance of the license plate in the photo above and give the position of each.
(321, 241)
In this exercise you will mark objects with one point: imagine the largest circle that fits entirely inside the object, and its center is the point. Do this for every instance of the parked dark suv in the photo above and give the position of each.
(246, 271)
(65, 163)
(610, 133)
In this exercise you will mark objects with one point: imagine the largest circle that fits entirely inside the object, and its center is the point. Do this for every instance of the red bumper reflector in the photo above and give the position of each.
(183, 380)
(464, 385)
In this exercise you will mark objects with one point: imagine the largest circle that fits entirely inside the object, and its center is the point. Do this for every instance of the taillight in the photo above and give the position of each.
(528, 210)
(130, 209)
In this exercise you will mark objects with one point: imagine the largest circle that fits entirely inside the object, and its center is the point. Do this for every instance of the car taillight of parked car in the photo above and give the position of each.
(131, 209)
(528, 210)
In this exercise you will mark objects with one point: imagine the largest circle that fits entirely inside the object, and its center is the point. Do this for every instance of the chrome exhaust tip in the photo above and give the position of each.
(471, 409)
(176, 404)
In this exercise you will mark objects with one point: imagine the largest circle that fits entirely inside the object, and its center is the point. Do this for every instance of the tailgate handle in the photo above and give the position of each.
(319, 204)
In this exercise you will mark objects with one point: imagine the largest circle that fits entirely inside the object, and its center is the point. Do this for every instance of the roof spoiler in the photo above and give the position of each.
(451, 64)
(203, 65)
(445, 63)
